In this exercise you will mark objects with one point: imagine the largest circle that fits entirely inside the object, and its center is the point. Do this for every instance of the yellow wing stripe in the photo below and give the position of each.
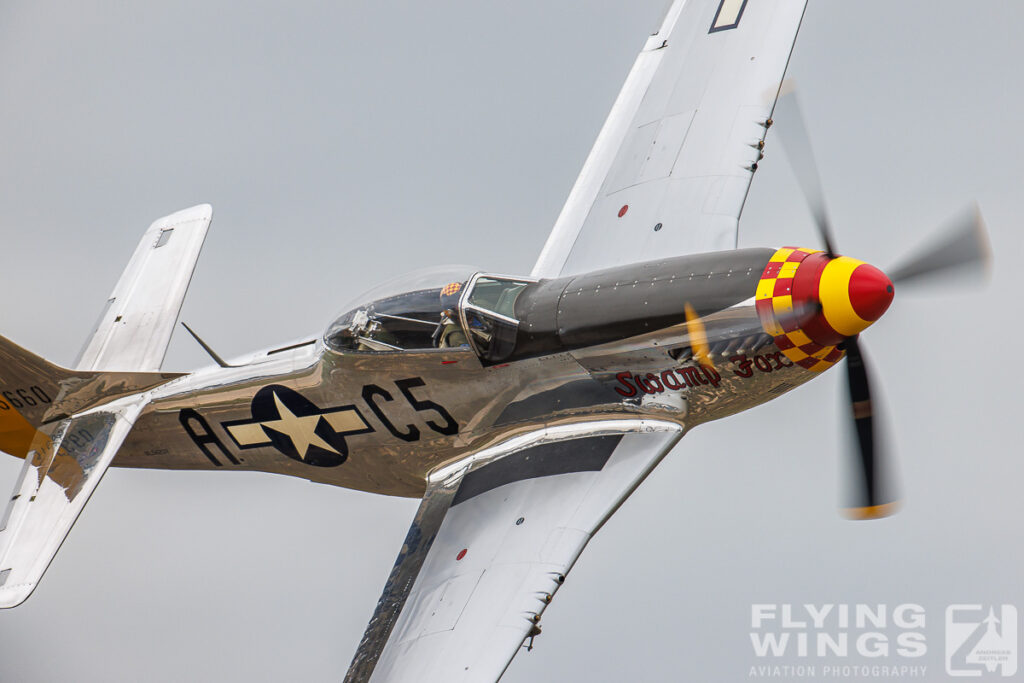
(345, 421)
(248, 434)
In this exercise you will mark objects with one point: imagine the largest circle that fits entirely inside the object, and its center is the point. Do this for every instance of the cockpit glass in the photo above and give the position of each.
(490, 318)
(415, 311)
(496, 295)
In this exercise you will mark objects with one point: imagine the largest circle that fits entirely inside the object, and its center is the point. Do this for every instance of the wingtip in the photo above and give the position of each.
(12, 596)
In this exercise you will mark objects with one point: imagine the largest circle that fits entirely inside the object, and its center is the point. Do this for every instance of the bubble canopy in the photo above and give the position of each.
(407, 312)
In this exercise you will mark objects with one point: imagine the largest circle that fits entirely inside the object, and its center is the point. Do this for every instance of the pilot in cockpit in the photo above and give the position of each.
(449, 332)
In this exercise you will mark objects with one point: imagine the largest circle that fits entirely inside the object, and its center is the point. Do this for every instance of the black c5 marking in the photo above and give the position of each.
(370, 392)
(286, 420)
(406, 386)
(291, 423)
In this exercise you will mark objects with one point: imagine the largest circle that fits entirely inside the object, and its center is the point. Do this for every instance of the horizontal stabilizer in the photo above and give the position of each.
(135, 326)
(69, 424)
(63, 466)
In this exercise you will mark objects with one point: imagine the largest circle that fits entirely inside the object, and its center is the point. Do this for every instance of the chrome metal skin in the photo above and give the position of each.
(445, 488)
(65, 463)
(390, 418)
(54, 393)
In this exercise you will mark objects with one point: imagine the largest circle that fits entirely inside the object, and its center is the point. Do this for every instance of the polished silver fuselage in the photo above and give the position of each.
(424, 409)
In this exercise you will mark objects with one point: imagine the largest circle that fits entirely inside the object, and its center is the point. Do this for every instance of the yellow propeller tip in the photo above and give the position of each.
(871, 511)
(698, 338)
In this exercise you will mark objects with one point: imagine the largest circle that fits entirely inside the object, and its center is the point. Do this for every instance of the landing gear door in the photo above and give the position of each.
(487, 312)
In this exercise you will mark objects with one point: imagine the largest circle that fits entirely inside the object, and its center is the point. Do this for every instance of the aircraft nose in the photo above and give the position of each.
(871, 292)
(853, 295)
(810, 302)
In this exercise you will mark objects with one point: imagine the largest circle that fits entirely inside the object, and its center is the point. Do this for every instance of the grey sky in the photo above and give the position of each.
(344, 143)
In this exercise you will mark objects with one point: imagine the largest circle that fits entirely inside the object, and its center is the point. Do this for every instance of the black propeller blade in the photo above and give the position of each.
(962, 246)
(868, 459)
(788, 121)
(872, 497)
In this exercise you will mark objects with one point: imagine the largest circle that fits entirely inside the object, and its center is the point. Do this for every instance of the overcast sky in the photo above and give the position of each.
(343, 143)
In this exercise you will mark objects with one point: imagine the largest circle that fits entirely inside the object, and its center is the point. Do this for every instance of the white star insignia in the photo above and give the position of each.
(301, 430)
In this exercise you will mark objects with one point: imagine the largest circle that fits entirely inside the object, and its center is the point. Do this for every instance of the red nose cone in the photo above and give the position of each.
(870, 292)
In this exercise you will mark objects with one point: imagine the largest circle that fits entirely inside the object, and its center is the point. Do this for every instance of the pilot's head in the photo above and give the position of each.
(450, 294)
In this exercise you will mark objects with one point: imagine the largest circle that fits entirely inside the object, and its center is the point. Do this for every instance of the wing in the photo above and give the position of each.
(135, 326)
(491, 543)
(670, 170)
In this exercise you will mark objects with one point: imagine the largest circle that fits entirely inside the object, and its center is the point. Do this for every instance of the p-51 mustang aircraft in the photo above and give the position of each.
(523, 410)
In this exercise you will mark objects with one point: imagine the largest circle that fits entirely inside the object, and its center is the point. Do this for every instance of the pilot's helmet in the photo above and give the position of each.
(450, 295)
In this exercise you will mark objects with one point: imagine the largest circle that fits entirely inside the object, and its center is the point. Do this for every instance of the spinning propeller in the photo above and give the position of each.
(964, 245)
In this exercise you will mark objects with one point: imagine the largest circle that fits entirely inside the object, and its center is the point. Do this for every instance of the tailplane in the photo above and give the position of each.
(68, 424)
(135, 327)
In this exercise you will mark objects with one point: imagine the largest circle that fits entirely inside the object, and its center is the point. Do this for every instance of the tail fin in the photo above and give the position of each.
(34, 392)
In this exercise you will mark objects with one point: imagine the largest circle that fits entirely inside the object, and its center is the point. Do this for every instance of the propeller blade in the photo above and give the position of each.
(789, 121)
(963, 245)
(698, 337)
(873, 500)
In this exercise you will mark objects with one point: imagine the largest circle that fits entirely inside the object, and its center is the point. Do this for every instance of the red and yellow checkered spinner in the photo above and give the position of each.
(809, 303)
